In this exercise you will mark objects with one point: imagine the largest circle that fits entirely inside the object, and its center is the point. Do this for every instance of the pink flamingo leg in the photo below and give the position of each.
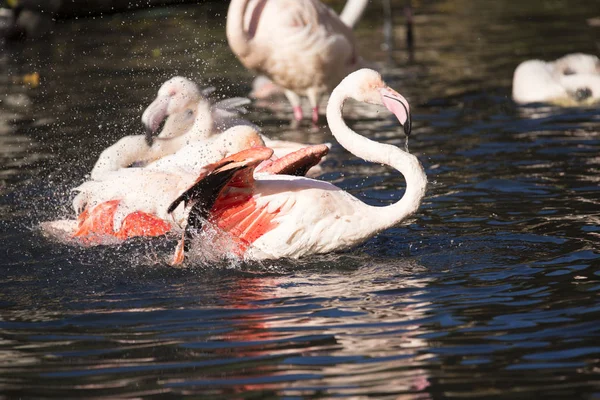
(313, 99)
(315, 115)
(298, 113)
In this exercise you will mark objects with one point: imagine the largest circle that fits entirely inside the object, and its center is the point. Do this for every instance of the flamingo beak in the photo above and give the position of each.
(154, 115)
(399, 106)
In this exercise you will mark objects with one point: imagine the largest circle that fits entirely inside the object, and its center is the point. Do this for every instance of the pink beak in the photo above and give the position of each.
(399, 106)
(154, 115)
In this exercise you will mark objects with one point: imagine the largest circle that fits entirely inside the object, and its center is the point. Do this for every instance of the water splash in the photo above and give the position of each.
(215, 246)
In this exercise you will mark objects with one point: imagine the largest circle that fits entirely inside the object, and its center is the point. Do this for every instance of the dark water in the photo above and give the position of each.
(491, 290)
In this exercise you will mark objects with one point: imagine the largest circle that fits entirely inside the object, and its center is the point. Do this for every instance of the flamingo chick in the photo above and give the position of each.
(301, 45)
(571, 80)
(273, 216)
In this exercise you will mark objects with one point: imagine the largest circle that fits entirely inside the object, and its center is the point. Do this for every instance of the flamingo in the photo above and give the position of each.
(572, 79)
(221, 116)
(274, 216)
(133, 201)
(301, 45)
(191, 117)
(263, 87)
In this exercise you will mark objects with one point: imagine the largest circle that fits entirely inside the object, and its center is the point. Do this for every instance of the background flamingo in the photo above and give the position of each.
(274, 216)
(301, 45)
(263, 87)
(570, 80)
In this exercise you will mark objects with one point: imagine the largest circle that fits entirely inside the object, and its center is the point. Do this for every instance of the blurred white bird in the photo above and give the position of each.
(263, 87)
(301, 45)
(570, 80)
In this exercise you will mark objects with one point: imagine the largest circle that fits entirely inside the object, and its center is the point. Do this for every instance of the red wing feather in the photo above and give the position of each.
(296, 163)
(98, 222)
(242, 218)
(142, 224)
(235, 211)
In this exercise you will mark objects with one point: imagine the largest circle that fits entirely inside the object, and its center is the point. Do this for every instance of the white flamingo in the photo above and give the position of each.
(570, 80)
(274, 216)
(222, 115)
(134, 201)
(263, 87)
(191, 117)
(301, 45)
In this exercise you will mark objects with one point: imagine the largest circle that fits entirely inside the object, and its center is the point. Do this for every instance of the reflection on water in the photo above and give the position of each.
(490, 290)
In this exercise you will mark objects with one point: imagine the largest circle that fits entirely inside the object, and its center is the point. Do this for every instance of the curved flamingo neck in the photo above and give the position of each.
(239, 40)
(203, 124)
(352, 12)
(237, 37)
(201, 130)
(367, 149)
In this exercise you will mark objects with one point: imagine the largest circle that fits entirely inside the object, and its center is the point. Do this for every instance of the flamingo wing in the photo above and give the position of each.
(236, 210)
(96, 225)
(235, 172)
(225, 196)
(296, 163)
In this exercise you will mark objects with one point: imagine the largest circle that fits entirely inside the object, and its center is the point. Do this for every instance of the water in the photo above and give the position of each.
(491, 290)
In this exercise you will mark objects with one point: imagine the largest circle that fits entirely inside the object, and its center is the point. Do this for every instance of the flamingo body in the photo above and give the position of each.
(277, 216)
(121, 202)
(295, 217)
(263, 87)
(136, 201)
(301, 45)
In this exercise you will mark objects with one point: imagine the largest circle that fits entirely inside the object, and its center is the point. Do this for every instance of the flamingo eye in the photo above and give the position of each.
(189, 113)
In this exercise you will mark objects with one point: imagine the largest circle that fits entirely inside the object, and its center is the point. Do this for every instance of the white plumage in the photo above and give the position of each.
(295, 216)
(301, 45)
(570, 80)
(153, 188)
(190, 117)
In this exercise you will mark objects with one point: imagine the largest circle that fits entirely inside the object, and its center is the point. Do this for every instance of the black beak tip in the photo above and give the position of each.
(583, 94)
(408, 126)
(149, 137)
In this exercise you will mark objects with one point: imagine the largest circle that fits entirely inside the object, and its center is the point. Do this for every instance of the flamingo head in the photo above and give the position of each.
(177, 95)
(177, 123)
(367, 86)
(578, 63)
(237, 138)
